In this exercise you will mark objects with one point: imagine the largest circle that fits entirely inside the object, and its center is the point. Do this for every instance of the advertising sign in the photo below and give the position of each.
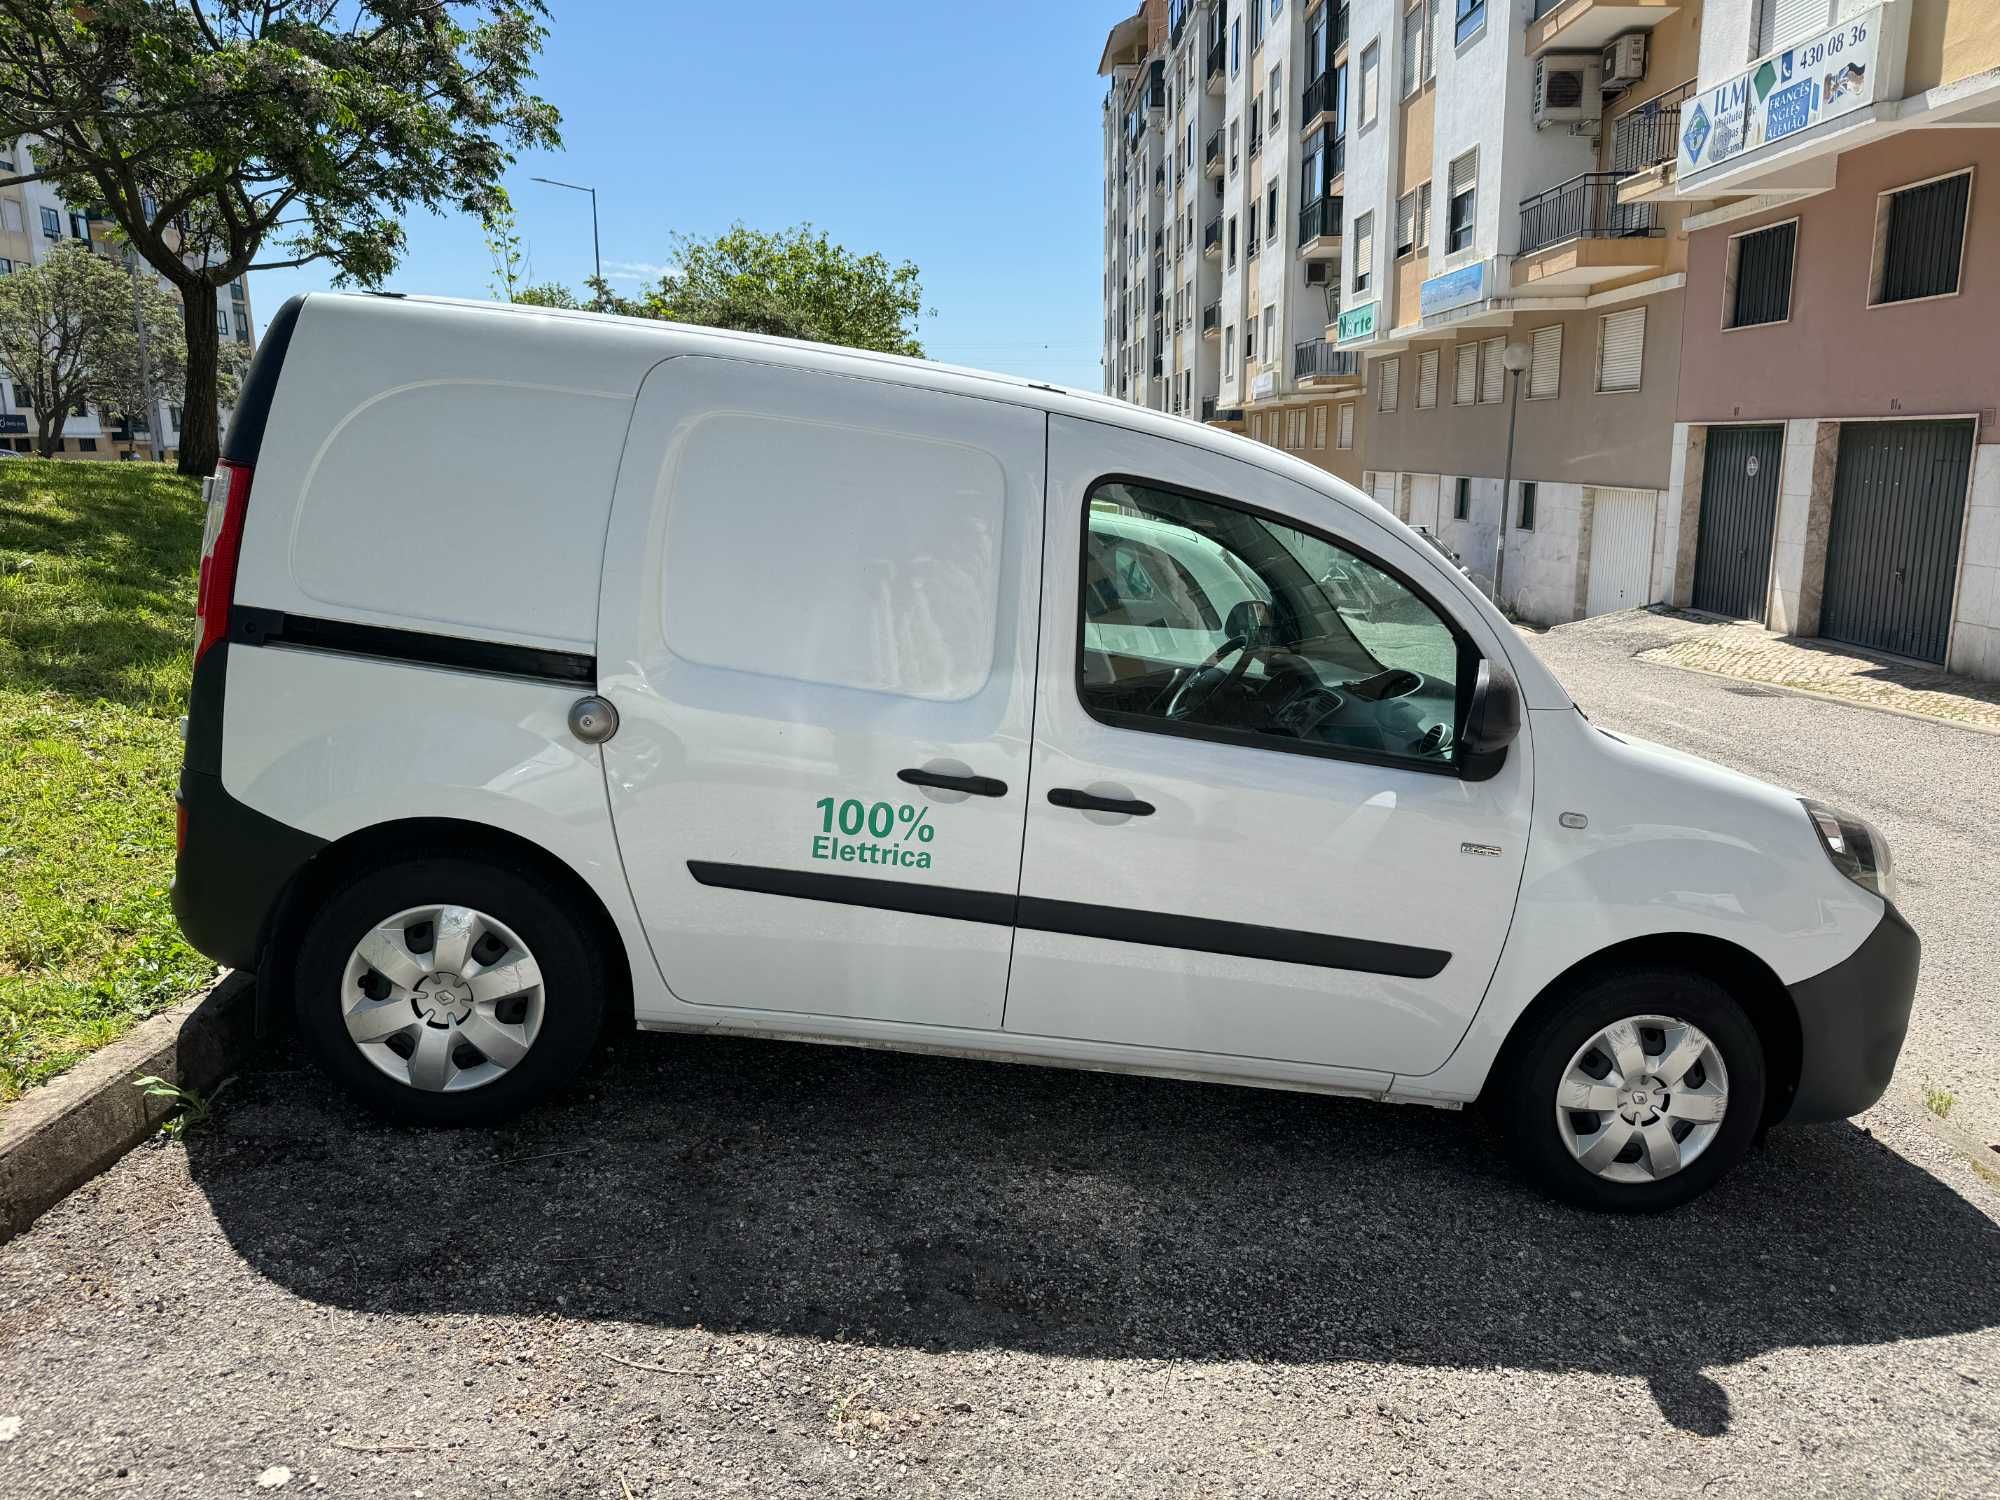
(13, 423)
(1265, 383)
(1454, 289)
(1356, 323)
(1830, 74)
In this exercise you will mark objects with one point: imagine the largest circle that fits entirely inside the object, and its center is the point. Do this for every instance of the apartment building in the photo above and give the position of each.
(33, 221)
(1835, 456)
(1240, 245)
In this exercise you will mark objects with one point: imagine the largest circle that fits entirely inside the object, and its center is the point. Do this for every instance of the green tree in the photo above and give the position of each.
(510, 261)
(69, 337)
(225, 136)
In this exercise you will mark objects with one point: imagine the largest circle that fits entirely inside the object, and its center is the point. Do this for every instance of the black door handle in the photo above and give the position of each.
(979, 786)
(1064, 796)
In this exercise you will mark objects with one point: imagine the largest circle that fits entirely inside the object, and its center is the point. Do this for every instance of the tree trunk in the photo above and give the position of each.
(201, 440)
(48, 431)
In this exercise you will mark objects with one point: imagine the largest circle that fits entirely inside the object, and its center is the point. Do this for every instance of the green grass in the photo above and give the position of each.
(97, 583)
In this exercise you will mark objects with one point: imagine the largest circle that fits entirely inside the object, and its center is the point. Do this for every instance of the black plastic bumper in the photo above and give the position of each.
(1851, 1022)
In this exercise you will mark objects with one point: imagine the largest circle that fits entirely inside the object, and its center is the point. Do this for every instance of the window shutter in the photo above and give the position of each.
(1464, 173)
(1764, 275)
(1423, 215)
(1545, 374)
(1782, 21)
(1621, 349)
(1493, 375)
(1427, 380)
(1392, 380)
(1371, 82)
(1406, 223)
(1465, 378)
(1346, 438)
(1413, 45)
(1430, 39)
(1319, 426)
(1925, 240)
(1364, 249)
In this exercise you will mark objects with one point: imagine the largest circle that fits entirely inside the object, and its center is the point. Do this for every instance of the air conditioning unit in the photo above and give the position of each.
(1318, 272)
(1566, 89)
(1624, 62)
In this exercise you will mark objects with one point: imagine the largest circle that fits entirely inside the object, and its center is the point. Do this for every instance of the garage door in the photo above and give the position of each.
(1892, 546)
(1385, 492)
(1621, 550)
(1424, 501)
(1739, 511)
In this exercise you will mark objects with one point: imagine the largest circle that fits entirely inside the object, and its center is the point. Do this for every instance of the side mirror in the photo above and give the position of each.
(1492, 720)
(1252, 622)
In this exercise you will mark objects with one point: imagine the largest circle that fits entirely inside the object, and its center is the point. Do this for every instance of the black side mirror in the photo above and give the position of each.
(1492, 720)
(1252, 622)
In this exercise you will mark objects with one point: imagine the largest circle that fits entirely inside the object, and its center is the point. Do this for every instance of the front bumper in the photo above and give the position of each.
(1851, 1022)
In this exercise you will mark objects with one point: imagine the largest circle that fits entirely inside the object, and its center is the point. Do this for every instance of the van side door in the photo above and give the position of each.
(1249, 834)
(818, 629)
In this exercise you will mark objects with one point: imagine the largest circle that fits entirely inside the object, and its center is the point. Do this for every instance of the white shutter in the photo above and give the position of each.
(1406, 222)
(1346, 438)
(1392, 380)
(1464, 173)
(1413, 46)
(1430, 40)
(1621, 349)
(1319, 426)
(1423, 215)
(1299, 429)
(1782, 21)
(1545, 374)
(1364, 250)
(1493, 375)
(1371, 82)
(12, 211)
(1465, 378)
(1427, 380)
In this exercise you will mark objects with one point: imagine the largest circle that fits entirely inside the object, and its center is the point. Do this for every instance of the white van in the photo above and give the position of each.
(555, 667)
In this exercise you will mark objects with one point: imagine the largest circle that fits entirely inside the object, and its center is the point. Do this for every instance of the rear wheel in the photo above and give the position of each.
(449, 989)
(1636, 1092)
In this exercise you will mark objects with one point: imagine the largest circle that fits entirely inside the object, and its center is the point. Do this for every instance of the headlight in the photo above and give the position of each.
(1856, 848)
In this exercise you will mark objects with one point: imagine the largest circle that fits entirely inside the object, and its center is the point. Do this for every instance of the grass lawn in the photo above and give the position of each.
(97, 585)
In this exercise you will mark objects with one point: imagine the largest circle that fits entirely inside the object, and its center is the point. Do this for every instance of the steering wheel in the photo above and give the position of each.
(1201, 684)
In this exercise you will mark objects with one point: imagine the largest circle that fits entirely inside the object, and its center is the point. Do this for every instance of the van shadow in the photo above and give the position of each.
(945, 1205)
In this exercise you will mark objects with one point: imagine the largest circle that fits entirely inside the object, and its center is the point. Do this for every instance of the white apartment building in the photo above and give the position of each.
(33, 221)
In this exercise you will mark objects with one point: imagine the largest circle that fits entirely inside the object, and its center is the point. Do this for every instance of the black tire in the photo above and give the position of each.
(1525, 1106)
(564, 942)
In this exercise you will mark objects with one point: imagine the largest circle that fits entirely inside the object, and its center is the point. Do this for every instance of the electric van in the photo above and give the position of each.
(554, 667)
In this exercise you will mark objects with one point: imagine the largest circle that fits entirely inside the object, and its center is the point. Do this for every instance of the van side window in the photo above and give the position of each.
(1206, 619)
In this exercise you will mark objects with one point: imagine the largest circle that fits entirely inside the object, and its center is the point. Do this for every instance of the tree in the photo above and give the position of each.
(511, 268)
(225, 136)
(69, 337)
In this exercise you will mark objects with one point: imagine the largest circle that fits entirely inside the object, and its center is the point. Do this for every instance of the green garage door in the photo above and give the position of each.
(1892, 545)
(1739, 513)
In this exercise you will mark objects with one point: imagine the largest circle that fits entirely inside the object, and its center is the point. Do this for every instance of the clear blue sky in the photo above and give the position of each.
(963, 136)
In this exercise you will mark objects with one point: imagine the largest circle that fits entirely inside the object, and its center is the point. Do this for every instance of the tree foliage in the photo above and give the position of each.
(69, 336)
(225, 136)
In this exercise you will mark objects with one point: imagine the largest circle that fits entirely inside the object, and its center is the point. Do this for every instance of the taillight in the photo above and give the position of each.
(222, 539)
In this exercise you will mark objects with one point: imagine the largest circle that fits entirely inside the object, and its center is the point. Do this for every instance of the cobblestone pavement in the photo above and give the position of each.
(1738, 649)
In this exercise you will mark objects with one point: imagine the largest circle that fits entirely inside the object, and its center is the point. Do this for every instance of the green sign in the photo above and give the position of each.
(1357, 323)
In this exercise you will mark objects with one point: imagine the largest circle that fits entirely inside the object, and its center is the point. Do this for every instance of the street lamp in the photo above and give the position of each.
(1515, 358)
(596, 256)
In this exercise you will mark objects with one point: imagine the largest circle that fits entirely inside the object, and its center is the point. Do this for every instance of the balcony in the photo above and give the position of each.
(1256, 137)
(1318, 363)
(1319, 228)
(1211, 237)
(1586, 25)
(1211, 155)
(1645, 144)
(1216, 71)
(1320, 104)
(1211, 321)
(1577, 234)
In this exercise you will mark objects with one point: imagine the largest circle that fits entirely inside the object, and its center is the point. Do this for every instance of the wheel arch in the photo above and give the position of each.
(385, 842)
(1746, 976)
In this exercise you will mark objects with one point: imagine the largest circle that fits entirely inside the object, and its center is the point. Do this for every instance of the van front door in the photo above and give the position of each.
(818, 629)
(1248, 834)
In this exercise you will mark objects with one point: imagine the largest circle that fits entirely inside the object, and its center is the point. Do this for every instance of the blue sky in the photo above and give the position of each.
(963, 136)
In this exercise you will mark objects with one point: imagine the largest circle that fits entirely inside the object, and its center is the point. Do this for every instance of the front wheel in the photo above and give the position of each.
(448, 989)
(1636, 1092)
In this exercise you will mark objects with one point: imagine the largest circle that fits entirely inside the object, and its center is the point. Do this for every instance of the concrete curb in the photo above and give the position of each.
(1651, 659)
(61, 1135)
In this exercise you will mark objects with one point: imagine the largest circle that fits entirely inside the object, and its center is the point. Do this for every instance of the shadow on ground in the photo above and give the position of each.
(938, 1204)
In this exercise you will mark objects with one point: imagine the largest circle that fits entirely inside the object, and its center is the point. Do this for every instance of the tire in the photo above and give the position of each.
(427, 1020)
(1618, 1158)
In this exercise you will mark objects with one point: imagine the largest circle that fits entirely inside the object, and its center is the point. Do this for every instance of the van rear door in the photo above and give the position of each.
(818, 628)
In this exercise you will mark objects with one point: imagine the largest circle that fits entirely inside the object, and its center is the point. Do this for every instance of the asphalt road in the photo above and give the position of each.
(757, 1268)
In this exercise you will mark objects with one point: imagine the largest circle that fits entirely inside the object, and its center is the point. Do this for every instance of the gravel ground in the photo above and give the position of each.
(760, 1268)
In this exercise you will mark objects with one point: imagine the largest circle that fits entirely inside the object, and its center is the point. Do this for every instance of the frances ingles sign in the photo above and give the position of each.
(1821, 78)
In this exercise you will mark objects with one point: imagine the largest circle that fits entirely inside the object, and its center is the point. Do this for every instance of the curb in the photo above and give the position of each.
(1918, 714)
(59, 1136)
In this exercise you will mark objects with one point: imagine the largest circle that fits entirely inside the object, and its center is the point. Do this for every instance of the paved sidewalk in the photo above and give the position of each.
(1754, 654)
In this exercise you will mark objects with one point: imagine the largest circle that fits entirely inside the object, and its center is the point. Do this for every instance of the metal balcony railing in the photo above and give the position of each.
(1340, 26)
(1208, 408)
(1256, 136)
(1211, 151)
(1211, 237)
(1320, 97)
(1320, 218)
(1211, 318)
(1218, 55)
(1585, 207)
(1317, 359)
(1541, 8)
(1649, 135)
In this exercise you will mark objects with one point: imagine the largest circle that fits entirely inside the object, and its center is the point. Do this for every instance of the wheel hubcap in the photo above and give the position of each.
(442, 998)
(1642, 1099)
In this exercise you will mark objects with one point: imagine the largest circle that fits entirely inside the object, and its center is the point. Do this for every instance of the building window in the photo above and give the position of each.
(1271, 330)
(1757, 276)
(1371, 82)
(1277, 92)
(1271, 206)
(1250, 245)
(1249, 343)
(79, 227)
(1406, 224)
(1621, 349)
(1545, 370)
(6, 266)
(1319, 427)
(1413, 48)
(1920, 240)
(1461, 500)
(1364, 250)
(242, 326)
(1471, 16)
(10, 215)
(1465, 375)
(86, 445)
(1235, 145)
(235, 291)
(1492, 371)
(1390, 388)
(1427, 380)
(1235, 46)
(1423, 215)
(21, 400)
(1525, 520)
(1232, 241)
(1344, 434)
(1464, 207)
(1229, 350)
(51, 223)
(1782, 21)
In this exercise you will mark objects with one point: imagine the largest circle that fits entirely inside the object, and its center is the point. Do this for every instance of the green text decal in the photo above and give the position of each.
(894, 833)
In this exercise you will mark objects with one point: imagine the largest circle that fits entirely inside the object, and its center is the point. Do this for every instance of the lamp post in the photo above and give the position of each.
(1515, 358)
(596, 255)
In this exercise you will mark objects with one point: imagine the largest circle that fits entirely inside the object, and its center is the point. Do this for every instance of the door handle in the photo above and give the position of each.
(978, 786)
(1064, 796)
